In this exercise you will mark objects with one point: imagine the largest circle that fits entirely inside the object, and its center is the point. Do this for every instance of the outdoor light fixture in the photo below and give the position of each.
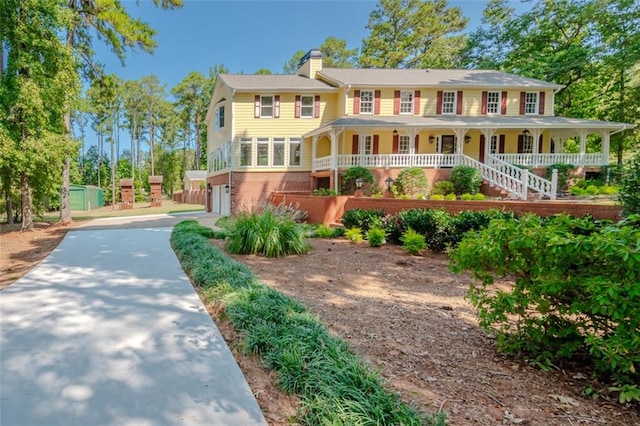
(526, 132)
(226, 189)
(467, 138)
(432, 139)
(395, 132)
(359, 183)
(389, 181)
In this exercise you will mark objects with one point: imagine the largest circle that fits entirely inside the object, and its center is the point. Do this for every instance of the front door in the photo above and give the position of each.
(447, 144)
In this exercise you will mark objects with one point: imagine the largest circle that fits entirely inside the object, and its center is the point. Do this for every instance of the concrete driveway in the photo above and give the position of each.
(108, 330)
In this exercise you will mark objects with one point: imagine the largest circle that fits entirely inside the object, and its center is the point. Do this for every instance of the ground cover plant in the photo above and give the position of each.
(335, 386)
(575, 294)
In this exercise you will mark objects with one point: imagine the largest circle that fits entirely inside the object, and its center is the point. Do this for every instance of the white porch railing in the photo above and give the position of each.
(389, 160)
(536, 160)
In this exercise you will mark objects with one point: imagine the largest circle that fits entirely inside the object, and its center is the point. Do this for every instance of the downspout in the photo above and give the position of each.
(346, 99)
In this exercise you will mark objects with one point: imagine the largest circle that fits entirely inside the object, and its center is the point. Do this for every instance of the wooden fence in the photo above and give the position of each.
(191, 197)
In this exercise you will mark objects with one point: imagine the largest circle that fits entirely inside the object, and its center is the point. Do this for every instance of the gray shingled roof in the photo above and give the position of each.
(431, 78)
(501, 122)
(280, 83)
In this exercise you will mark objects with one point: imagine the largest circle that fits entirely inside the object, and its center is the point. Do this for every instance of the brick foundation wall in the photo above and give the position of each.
(250, 190)
(329, 210)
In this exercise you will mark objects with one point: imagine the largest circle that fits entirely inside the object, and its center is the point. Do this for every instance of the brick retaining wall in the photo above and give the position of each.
(329, 210)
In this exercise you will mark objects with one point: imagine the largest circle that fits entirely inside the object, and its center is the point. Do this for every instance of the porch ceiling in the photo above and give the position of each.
(498, 122)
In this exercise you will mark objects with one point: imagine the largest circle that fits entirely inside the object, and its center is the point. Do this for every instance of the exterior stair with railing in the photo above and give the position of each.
(514, 181)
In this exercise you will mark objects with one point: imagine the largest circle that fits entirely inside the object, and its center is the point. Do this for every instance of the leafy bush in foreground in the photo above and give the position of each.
(334, 385)
(576, 292)
(412, 182)
(376, 237)
(466, 180)
(629, 196)
(363, 219)
(413, 242)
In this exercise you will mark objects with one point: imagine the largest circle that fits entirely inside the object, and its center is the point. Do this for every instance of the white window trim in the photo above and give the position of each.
(257, 142)
(362, 142)
(373, 102)
(273, 105)
(412, 95)
(526, 138)
(313, 106)
(280, 141)
(287, 153)
(499, 95)
(250, 142)
(286, 141)
(455, 102)
(535, 105)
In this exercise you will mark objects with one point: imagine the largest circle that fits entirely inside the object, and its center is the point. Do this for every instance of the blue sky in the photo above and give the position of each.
(246, 35)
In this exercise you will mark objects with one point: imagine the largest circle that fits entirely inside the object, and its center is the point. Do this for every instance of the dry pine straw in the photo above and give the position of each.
(408, 317)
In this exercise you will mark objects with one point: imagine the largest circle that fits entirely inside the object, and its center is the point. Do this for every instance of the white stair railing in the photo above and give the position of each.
(530, 181)
(496, 177)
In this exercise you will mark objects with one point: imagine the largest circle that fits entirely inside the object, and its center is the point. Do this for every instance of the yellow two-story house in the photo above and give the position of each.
(299, 132)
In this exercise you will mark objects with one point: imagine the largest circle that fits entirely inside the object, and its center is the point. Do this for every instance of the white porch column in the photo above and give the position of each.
(314, 151)
(488, 134)
(334, 155)
(460, 132)
(583, 144)
(606, 142)
(535, 133)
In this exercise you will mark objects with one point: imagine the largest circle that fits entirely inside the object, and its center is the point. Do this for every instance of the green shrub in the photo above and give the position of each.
(413, 243)
(376, 237)
(349, 180)
(434, 224)
(334, 385)
(465, 179)
(577, 191)
(479, 196)
(450, 197)
(324, 192)
(323, 231)
(575, 294)
(591, 190)
(412, 182)
(267, 234)
(354, 235)
(629, 195)
(443, 187)
(437, 197)
(466, 197)
(565, 171)
(393, 228)
(362, 218)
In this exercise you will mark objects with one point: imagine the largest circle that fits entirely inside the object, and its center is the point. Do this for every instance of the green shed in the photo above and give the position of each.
(85, 197)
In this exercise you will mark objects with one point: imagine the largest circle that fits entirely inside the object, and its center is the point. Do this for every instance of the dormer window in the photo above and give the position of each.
(366, 102)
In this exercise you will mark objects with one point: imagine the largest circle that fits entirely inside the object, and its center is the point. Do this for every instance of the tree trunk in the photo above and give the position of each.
(196, 162)
(65, 205)
(27, 218)
(9, 207)
(620, 150)
(151, 131)
(113, 174)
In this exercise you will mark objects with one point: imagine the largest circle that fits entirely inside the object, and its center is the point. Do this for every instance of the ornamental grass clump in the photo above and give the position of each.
(267, 234)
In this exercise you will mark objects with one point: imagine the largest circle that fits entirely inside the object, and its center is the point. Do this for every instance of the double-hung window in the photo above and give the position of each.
(278, 152)
(493, 102)
(406, 102)
(266, 106)
(366, 102)
(294, 151)
(220, 117)
(531, 103)
(403, 144)
(246, 146)
(448, 102)
(263, 152)
(306, 106)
